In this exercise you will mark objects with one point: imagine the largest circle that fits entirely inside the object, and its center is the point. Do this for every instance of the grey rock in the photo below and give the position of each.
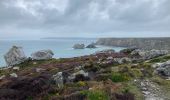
(148, 54)
(122, 60)
(79, 46)
(16, 68)
(15, 56)
(110, 58)
(163, 68)
(14, 75)
(110, 51)
(42, 55)
(81, 72)
(2, 77)
(58, 79)
(92, 45)
(39, 70)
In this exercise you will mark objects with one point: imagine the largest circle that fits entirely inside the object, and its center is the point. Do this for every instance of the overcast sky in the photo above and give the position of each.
(31, 19)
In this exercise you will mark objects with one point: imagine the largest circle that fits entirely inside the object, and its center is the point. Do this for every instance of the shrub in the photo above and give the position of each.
(117, 77)
(81, 83)
(95, 95)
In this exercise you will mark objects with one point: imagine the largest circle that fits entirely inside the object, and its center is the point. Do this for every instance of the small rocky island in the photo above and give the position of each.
(82, 46)
(79, 46)
(131, 74)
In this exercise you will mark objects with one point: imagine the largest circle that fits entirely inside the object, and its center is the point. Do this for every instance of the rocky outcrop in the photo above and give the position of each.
(42, 55)
(15, 56)
(92, 45)
(144, 43)
(163, 68)
(149, 54)
(110, 51)
(122, 60)
(79, 46)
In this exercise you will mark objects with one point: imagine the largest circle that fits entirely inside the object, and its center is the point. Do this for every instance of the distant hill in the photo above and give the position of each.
(68, 38)
(144, 43)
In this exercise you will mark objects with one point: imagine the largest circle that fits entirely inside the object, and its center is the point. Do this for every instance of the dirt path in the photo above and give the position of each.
(150, 90)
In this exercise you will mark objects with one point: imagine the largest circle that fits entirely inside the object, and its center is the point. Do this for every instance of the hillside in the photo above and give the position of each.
(144, 43)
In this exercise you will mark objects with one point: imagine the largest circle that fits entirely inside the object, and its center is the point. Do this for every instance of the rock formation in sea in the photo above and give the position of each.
(79, 46)
(15, 56)
(92, 45)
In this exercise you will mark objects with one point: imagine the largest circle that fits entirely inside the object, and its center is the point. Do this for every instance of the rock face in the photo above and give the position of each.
(79, 46)
(42, 55)
(92, 45)
(15, 56)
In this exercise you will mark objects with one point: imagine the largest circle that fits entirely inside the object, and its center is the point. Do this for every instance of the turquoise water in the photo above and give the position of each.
(62, 48)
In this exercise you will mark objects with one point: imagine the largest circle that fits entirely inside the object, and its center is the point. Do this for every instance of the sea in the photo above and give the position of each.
(62, 47)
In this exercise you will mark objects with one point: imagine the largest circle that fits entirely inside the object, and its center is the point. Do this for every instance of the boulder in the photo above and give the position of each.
(15, 56)
(14, 75)
(58, 79)
(16, 68)
(39, 70)
(92, 45)
(2, 77)
(122, 60)
(79, 76)
(163, 69)
(79, 46)
(42, 55)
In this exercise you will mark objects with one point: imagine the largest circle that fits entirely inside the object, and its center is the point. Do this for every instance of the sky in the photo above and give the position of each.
(33, 19)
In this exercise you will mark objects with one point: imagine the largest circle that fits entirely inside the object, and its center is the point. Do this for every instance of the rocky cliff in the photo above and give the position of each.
(144, 43)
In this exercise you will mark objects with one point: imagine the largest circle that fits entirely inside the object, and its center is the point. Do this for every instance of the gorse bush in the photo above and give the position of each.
(81, 83)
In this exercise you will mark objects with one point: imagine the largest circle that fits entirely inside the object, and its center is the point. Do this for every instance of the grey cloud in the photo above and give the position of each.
(84, 16)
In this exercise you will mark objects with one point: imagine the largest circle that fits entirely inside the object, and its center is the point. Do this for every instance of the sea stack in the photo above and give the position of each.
(79, 46)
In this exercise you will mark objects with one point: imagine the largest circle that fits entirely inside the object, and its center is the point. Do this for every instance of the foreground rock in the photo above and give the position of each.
(92, 45)
(163, 68)
(79, 76)
(42, 55)
(58, 79)
(79, 46)
(15, 56)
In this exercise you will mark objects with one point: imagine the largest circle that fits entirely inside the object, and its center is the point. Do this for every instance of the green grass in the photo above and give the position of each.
(130, 87)
(160, 59)
(96, 95)
(117, 77)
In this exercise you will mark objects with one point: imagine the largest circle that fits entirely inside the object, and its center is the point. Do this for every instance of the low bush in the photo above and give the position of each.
(117, 77)
(96, 95)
